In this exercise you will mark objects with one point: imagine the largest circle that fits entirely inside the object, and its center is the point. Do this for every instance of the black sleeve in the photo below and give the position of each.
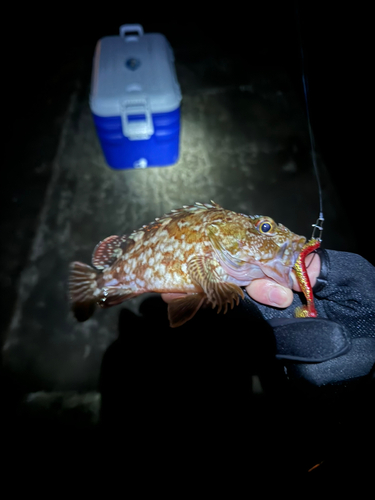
(345, 292)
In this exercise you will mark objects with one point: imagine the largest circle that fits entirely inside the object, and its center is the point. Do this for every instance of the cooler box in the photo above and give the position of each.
(135, 99)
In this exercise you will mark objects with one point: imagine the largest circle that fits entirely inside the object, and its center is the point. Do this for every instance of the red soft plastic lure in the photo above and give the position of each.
(307, 311)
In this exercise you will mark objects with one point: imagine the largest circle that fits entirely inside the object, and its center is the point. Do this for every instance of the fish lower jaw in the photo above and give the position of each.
(282, 276)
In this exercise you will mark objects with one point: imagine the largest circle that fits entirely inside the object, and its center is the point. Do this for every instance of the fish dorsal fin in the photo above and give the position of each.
(186, 209)
(107, 251)
(203, 270)
(182, 309)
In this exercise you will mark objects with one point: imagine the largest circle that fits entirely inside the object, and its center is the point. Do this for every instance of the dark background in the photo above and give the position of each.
(48, 54)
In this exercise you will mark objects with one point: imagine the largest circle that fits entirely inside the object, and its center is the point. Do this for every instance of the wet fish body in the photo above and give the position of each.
(203, 250)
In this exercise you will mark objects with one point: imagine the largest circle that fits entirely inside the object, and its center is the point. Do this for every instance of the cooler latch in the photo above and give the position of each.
(131, 32)
(136, 119)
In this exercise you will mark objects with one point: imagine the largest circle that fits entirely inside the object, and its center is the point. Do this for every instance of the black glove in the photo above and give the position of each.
(339, 345)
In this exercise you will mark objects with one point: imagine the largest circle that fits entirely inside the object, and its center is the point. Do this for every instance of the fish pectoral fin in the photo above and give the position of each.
(222, 294)
(182, 309)
(203, 270)
(111, 296)
(109, 250)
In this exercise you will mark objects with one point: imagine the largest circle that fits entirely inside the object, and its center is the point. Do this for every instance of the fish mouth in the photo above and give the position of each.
(289, 251)
(280, 267)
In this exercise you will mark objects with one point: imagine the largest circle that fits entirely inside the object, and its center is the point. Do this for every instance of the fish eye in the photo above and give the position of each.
(265, 227)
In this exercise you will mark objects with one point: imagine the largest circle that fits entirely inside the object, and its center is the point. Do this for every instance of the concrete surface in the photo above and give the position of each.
(244, 146)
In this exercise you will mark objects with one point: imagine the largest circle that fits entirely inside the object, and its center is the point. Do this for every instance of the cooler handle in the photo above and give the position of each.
(139, 129)
(131, 28)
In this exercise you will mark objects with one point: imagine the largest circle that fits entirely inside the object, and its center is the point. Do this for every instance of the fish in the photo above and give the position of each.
(203, 251)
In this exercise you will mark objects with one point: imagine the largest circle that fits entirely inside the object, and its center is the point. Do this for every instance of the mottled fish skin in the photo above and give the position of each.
(202, 250)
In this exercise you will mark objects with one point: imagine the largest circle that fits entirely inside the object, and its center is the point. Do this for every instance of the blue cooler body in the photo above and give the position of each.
(135, 99)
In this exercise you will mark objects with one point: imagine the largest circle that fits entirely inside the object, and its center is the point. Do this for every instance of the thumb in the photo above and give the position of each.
(270, 293)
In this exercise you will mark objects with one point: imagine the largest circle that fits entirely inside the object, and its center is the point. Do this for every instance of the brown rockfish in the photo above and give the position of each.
(203, 251)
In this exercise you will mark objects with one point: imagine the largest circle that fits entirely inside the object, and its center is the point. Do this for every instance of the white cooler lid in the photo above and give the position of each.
(133, 68)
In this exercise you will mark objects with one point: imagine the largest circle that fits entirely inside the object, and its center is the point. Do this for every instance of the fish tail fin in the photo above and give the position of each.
(82, 285)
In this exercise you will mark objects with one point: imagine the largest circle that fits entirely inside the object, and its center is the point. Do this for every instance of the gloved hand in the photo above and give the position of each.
(339, 345)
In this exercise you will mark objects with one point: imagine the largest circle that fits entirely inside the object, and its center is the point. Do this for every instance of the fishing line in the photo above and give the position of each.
(319, 222)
